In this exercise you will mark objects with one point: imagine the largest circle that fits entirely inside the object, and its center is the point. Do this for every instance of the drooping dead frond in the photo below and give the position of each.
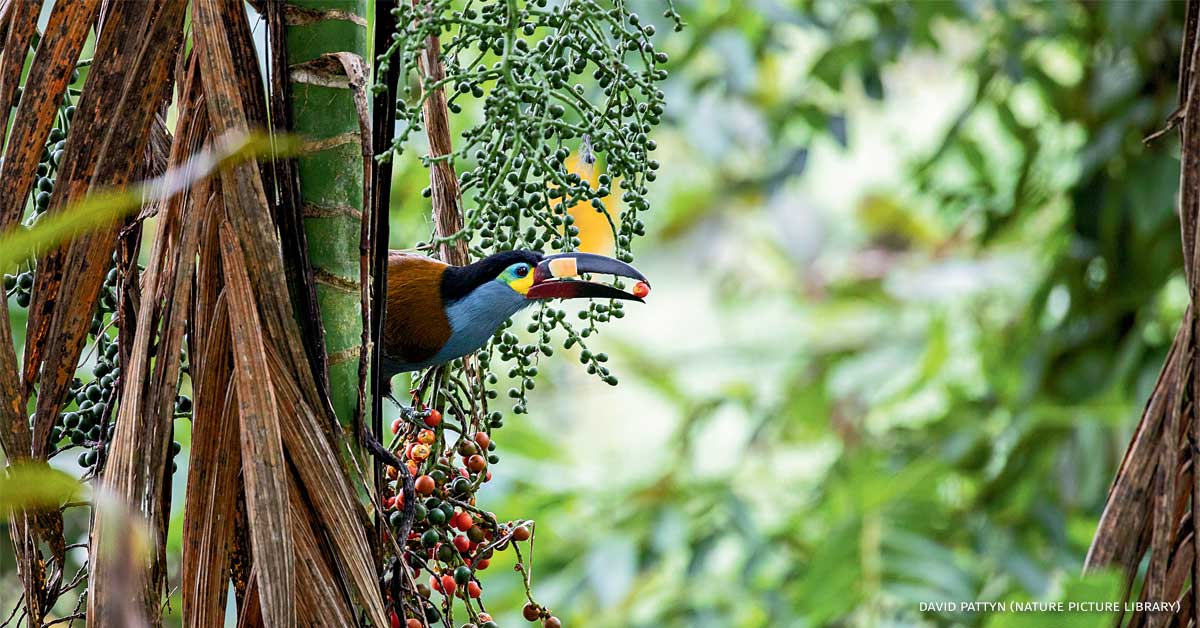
(1154, 501)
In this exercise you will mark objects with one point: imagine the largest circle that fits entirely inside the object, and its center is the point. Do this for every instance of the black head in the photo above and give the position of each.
(459, 281)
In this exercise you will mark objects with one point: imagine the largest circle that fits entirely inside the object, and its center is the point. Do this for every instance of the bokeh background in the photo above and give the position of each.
(914, 274)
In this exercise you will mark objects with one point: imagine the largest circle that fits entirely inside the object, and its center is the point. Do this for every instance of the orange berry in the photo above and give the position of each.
(433, 419)
(641, 289)
(483, 440)
(425, 485)
(396, 426)
(463, 521)
(414, 623)
(427, 437)
(476, 463)
(448, 584)
(420, 451)
(473, 589)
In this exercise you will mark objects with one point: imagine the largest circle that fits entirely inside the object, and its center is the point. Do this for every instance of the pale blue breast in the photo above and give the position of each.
(473, 320)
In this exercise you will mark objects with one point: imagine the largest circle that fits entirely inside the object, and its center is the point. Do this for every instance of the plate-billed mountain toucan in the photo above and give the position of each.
(437, 312)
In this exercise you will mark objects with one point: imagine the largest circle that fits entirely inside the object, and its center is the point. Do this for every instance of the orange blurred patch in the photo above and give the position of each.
(595, 230)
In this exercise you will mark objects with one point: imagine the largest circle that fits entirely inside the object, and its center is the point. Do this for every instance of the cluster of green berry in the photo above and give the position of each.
(20, 285)
(579, 78)
(87, 417)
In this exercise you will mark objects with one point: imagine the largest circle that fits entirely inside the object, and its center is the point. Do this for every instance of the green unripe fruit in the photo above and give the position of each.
(462, 575)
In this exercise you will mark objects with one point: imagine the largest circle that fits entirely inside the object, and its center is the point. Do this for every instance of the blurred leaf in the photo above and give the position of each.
(28, 485)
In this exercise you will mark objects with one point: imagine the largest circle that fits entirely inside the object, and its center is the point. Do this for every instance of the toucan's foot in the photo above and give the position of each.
(409, 413)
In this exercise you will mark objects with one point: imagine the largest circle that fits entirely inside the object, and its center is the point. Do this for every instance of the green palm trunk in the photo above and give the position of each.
(331, 177)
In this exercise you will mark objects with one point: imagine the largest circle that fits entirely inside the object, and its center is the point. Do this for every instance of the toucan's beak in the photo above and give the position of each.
(551, 278)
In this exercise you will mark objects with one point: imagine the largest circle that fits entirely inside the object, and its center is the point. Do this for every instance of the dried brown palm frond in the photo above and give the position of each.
(274, 510)
(1155, 499)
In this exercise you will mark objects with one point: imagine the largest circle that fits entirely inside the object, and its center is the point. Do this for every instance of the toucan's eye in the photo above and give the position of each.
(521, 270)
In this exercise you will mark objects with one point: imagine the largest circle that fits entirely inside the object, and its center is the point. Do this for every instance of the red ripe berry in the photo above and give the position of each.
(462, 544)
(476, 463)
(388, 502)
(433, 419)
(480, 565)
(396, 426)
(522, 533)
(394, 619)
(425, 485)
(483, 440)
(463, 521)
(473, 589)
(488, 477)
(448, 584)
(435, 583)
(531, 612)
(641, 289)
(414, 623)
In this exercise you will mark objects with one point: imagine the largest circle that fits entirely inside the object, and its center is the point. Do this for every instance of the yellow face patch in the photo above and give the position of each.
(522, 285)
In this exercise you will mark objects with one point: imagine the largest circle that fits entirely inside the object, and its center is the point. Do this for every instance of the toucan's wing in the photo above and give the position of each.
(415, 327)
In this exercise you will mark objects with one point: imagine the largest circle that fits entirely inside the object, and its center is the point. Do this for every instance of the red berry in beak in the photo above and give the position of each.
(641, 289)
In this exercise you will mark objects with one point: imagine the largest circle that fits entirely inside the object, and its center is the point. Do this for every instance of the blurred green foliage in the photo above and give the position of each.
(915, 274)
